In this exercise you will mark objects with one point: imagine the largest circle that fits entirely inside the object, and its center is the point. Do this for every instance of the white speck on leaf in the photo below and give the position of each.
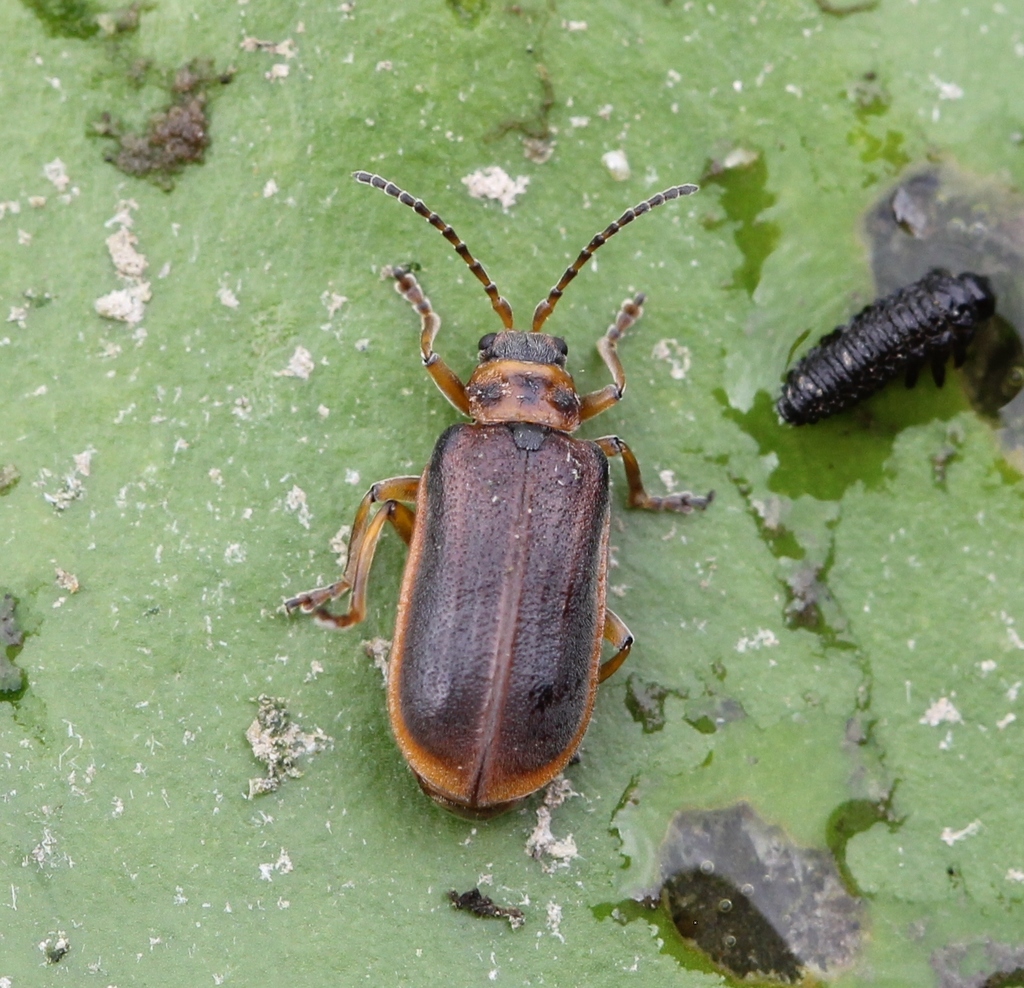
(951, 836)
(617, 164)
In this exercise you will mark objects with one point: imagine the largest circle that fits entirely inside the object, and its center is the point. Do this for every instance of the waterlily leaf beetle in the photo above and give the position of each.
(496, 654)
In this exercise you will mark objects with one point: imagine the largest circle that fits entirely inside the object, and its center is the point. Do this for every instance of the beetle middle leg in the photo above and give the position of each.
(362, 545)
(684, 501)
(615, 632)
(444, 377)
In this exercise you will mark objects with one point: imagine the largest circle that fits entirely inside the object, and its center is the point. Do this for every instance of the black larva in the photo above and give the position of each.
(898, 335)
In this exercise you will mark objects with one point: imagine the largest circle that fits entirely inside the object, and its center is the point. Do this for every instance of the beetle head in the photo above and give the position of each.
(521, 377)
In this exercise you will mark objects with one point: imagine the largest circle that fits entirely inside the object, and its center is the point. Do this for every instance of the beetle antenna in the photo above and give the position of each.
(546, 307)
(499, 304)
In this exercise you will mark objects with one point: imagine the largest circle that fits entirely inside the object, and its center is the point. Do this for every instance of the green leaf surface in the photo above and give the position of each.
(124, 767)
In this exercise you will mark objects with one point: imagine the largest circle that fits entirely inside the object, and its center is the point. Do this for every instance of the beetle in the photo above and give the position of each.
(496, 653)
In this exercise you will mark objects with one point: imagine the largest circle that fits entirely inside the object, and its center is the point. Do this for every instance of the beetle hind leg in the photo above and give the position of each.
(683, 502)
(362, 546)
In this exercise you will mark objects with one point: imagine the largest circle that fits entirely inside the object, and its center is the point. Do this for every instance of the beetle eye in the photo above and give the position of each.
(486, 341)
(563, 347)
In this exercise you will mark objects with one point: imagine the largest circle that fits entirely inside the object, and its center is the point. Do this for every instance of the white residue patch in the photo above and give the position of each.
(227, 297)
(496, 183)
(339, 544)
(277, 72)
(947, 90)
(676, 356)
(617, 164)
(270, 189)
(951, 836)
(379, 649)
(278, 743)
(554, 920)
(234, 553)
(351, 477)
(83, 461)
(56, 172)
(332, 302)
(762, 638)
(127, 260)
(301, 365)
(739, 158)
(127, 304)
(1006, 721)
(282, 866)
(19, 315)
(542, 842)
(941, 711)
(1015, 875)
(295, 500)
(574, 25)
(284, 48)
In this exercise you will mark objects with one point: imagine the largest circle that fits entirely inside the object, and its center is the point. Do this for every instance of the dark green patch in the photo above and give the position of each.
(468, 12)
(687, 955)
(871, 149)
(822, 460)
(66, 18)
(536, 130)
(844, 10)
(12, 680)
(869, 96)
(851, 818)
(744, 197)
(646, 703)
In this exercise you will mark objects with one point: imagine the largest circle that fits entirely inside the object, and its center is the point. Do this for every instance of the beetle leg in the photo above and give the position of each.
(597, 401)
(444, 377)
(362, 544)
(684, 501)
(616, 632)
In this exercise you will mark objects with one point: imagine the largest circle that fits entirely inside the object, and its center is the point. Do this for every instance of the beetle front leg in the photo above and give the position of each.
(615, 632)
(684, 501)
(597, 401)
(362, 545)
(444, 377)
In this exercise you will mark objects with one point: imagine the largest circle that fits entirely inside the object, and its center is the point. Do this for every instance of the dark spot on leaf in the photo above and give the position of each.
(175, 136)
(755, 903)
(478, 904)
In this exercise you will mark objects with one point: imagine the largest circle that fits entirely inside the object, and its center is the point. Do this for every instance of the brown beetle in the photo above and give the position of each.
(496, 654)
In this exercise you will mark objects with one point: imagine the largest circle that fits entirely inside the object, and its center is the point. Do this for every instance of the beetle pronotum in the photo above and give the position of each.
(496, 653)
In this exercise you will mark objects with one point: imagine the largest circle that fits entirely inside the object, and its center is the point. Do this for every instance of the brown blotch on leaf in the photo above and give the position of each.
(174, 137)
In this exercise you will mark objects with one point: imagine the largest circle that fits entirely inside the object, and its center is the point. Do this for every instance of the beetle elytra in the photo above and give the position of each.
(496, 654)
